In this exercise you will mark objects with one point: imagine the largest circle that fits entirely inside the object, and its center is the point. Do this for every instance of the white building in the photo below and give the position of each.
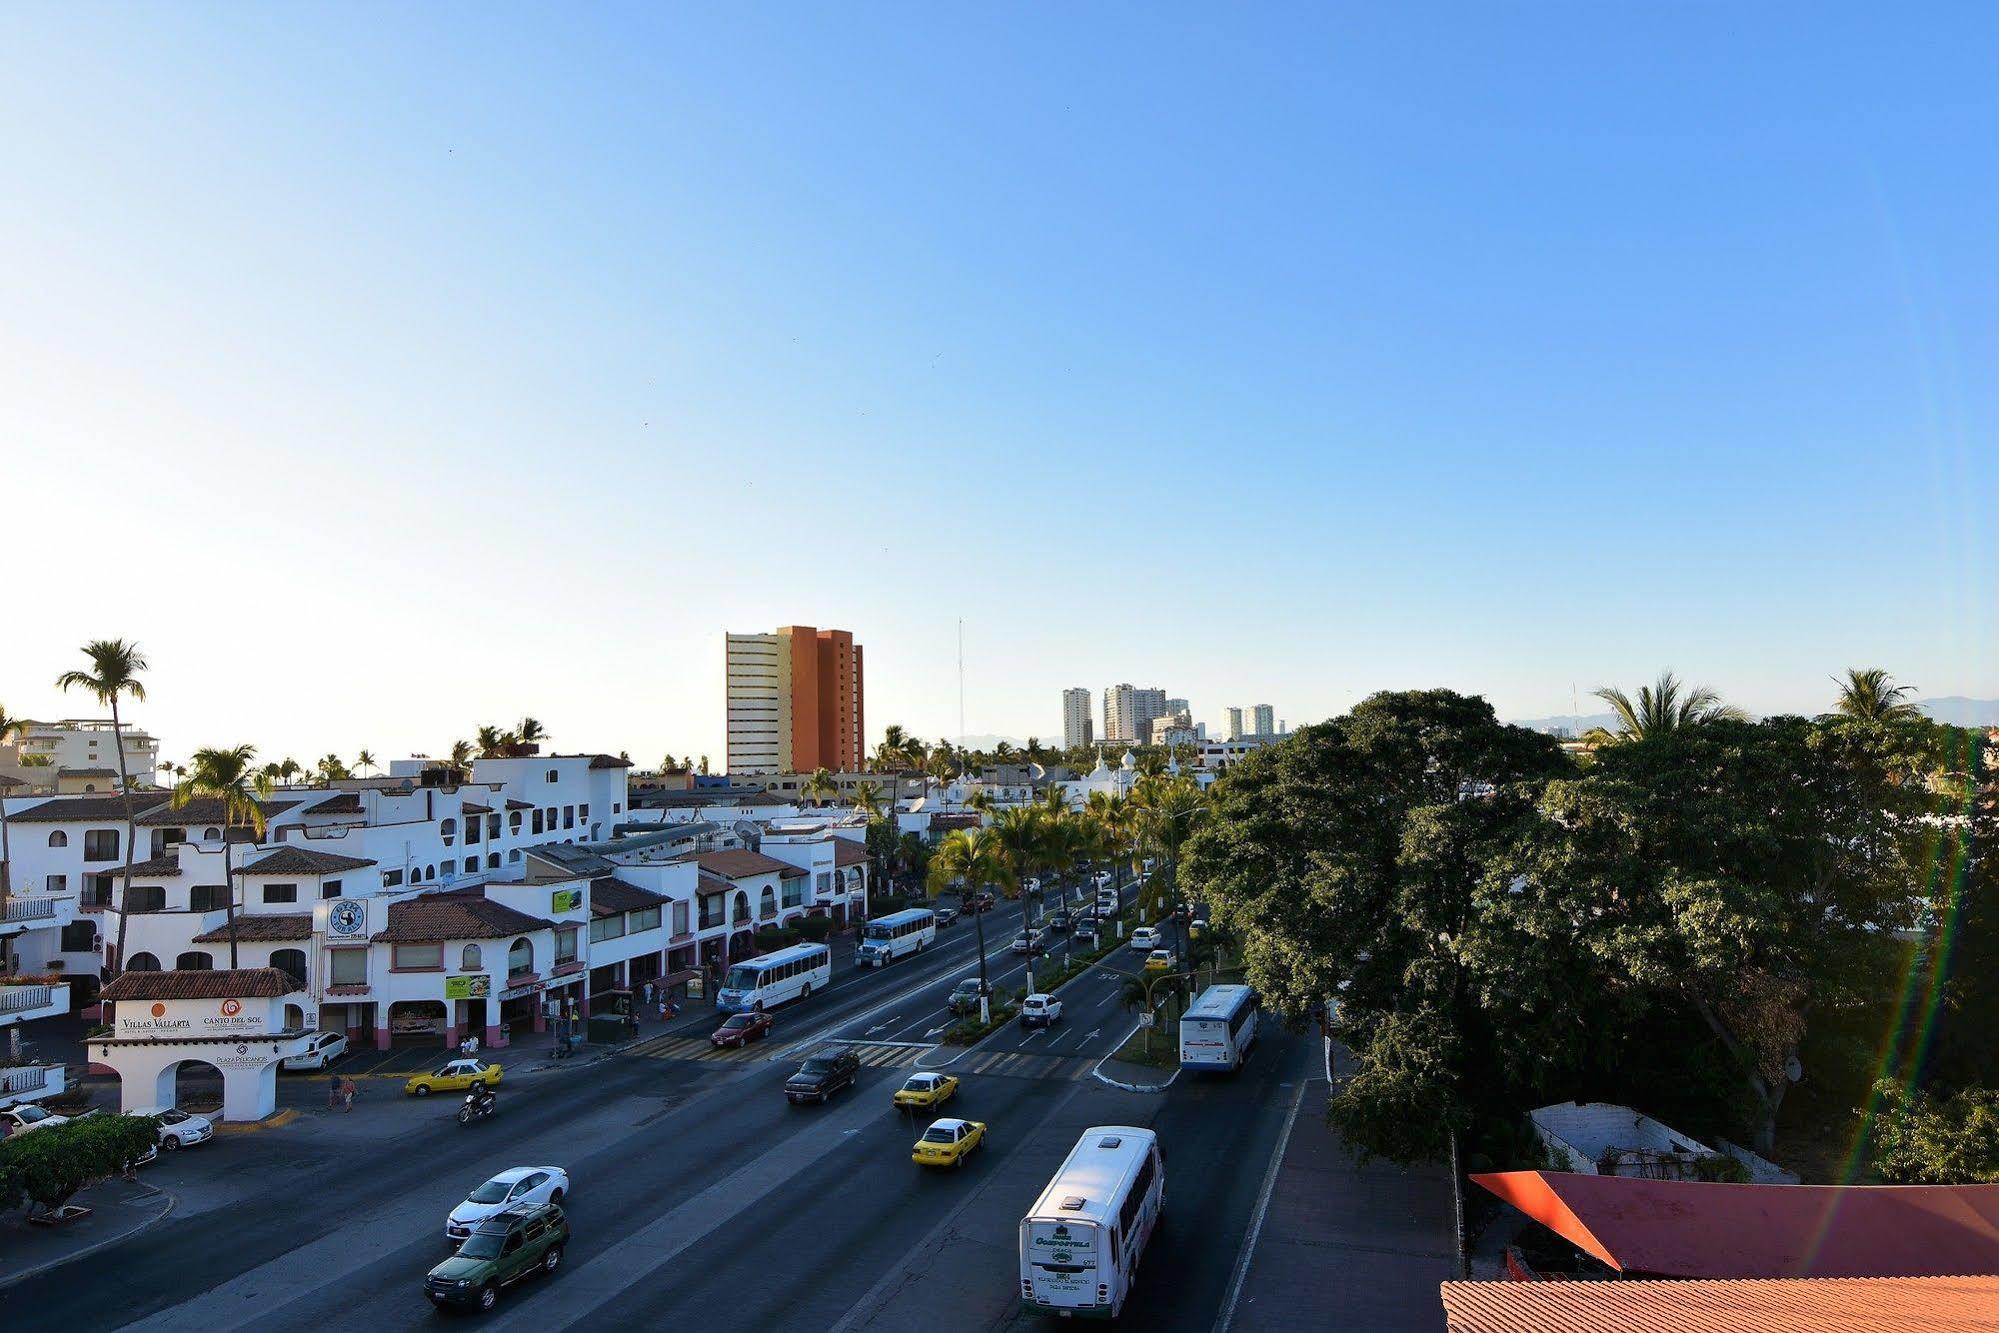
(1076, 728)
(41, 753)
(1128, 712)
(1173, 729)
(1235, 724)
(1263, 720)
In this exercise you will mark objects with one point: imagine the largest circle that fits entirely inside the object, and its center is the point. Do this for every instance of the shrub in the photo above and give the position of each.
(47, 1167)
(1923, 1140)
(816, 928)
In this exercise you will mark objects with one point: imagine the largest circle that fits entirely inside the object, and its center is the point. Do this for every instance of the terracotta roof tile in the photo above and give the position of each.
(1768, 1305)
(200, 810)
(346, 803)
(847, 852)
(262, 927)
(303, 861)
(609, 896)
(160, 867)
(245, 983)
(439, 918)
(742, 863)
(85, 809)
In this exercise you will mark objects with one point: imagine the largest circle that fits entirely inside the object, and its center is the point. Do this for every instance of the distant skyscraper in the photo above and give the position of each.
(794, 701)
(1145, 706)
(1235, 724)
(1177, 706)
(1076, 729)
(1263, 720)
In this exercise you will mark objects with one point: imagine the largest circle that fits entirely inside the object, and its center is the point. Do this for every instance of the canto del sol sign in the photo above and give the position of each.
(229, 1017)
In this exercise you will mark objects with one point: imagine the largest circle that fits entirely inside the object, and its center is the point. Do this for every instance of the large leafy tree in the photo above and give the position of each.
(47, 1167)
(113, 674)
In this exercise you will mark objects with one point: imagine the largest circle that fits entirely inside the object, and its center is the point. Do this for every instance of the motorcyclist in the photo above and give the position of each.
(480, 1098)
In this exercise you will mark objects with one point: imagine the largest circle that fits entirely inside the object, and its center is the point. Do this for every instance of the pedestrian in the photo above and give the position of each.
(648, 995)
(664, 1008)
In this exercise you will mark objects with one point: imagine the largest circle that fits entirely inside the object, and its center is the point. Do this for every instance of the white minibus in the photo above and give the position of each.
(1081, 1242)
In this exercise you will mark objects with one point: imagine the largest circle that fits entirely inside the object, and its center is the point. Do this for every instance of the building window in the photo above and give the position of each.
(80, 937)
(392, 879)
(553, 775)
(418, 958)
(143, 962)
(471, 829)
(347, 967)
(281, 893)
(535, 826)
(194, 961)
(569, 816)
(329, 888)
(58, 839)
(57, 883)
(430, 872)
(514, 823)
(648, 919)
(680, 918)
(565, 946)
(767, 904)
(471, 864)
(492, 860)
(513, 856)
(211, 835)
(606, 928)
(208, 897)
(520, 957)
(100, 844)
(713, 910)
(148, 898)
(291, 962)
(448, 830)
(825, 882)
(469, 959)
(583, 810)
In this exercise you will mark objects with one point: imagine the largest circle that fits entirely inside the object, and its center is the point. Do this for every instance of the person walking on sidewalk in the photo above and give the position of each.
(648, 995)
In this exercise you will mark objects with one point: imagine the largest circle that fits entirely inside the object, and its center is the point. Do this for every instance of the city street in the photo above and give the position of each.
(698, 1189)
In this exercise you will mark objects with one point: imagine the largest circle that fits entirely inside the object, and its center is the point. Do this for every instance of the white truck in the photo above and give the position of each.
(1040, 1011)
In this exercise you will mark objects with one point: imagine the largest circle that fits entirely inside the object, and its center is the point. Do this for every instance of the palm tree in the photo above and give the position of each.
(980, 800)
(331, 770)
(1024, 843)
(938, 766)
(528, 735)
(364, 761)
(9, 724)
(703, 769)
(460, 760)
(1171, 809)
(867, 798)
(820, 787)
(1666, 706)
(287, 770)
(1035, 751)
(976, 860)
(1867, 693)
(224, 776)
(492, 743)
(114, 672)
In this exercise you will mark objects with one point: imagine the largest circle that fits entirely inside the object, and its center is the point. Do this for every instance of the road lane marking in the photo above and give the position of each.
(1227, 1314)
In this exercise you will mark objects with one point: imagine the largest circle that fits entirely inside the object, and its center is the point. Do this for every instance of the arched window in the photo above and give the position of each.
(492, 860)
(768, 907)
(514, 822)
(514, 855)
(471, 864)
(194, 961)
(448, 830)
(58, 839)
(291, 962)
(430, 872)
(742, 907)
(210, 835)
(143, 962)
(90, 786)
(520, 958)
(469, 959)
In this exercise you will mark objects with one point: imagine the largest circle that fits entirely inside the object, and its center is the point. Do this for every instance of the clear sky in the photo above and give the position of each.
(388, 369)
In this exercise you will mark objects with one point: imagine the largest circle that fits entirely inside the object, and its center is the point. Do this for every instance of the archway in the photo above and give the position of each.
(294, 1018)
(195, 1086)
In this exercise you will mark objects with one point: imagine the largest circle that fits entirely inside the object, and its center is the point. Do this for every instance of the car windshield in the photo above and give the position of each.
(482, 1245)
(816, 1067)
(30, 1114)
(493, 1191)
(738, 1021)
(172, 1117)
(939, 1134)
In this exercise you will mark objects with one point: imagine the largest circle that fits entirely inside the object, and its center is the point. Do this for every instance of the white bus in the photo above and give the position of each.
(888, 938)
(1218, 1029)
(1081, 1242)
(788, 974)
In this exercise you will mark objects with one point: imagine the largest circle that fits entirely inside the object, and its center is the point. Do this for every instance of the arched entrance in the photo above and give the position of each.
(192, 1085)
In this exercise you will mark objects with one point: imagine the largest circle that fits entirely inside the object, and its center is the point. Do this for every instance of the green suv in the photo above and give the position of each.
(505, 1248)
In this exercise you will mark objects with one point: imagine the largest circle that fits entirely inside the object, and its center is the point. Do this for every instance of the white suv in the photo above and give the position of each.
(1145, 937)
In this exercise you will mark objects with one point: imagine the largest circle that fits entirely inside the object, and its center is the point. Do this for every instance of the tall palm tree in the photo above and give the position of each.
(114, 671)
(461, 760)
(1035, 750)
(225, 776)
(1666, 706)
(364, 761)
(979, 799)
(9, 724)
(1869, 694)
(1171, 809)
(287, 770)
(528, 732)
(820, 787)
(938, 767)
(492, 742)
(867, 798)
(331, 770)
(976, 860)
(1024, 843)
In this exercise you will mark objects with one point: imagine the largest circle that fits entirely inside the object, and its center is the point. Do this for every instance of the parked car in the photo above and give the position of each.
(741, 1029)
(1145, 937)
(965, 997)
(927, 1090)
(948, 1142)
(1039, 1011)
(20, 1119)
(321, 1050)
(178, 1129)
(513, 1188)
(523, 1240)
(1159, 960)
(821, 1076)
(454, 1076)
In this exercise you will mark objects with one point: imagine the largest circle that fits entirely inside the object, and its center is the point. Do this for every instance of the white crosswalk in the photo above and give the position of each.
(874, 1055)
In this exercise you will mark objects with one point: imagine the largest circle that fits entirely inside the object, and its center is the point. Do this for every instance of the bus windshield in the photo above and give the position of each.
(877, 932)
(743, 978)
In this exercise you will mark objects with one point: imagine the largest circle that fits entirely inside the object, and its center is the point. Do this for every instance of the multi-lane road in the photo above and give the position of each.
(699, 1193)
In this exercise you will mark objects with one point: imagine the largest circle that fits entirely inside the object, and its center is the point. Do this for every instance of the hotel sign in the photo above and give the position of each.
(193, 1018)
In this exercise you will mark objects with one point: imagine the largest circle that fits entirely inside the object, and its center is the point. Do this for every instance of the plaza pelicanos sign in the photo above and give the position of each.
(194, 1018)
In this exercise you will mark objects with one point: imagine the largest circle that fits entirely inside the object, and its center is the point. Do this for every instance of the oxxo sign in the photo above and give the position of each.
(193, 1018)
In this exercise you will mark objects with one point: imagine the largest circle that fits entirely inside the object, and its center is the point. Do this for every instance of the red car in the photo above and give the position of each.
(979, 902)
(740, 1030)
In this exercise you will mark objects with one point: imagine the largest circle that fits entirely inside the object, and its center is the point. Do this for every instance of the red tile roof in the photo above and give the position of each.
(742, 863)
(303, 861)
(86, 809)
(160, 867)
(609, 896)
(347, 803)
(200, 810)
(1679, 1228)
(1796, 1305)
(244, 984)
(262, 927)
(438, 918)
(847, 852)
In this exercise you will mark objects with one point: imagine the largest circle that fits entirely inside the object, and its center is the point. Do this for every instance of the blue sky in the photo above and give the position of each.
(385, 370)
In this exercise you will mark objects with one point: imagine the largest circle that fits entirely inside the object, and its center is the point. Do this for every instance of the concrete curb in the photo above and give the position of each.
(9, 1279)
(1096, 1070)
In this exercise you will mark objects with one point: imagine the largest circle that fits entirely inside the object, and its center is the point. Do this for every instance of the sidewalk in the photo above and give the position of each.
(1338, 1244)
(118, 1209)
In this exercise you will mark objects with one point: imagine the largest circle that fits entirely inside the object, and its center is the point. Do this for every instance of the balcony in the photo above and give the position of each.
(20, 915)
(29, 1083)
(23, 1002)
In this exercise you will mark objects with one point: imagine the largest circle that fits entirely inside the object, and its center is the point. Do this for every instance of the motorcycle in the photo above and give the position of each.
(476, 1107)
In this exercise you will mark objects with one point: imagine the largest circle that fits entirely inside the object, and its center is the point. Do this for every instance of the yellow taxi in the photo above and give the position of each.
(927, 1090)
(948, 1142)
(1159, 960)
(453, 1076)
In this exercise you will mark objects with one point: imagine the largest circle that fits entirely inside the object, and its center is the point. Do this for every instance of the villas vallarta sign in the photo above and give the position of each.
(194, 1018)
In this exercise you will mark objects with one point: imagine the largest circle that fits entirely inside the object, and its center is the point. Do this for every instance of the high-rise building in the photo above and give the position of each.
(794, 701)
(1076, 729)
(1263, 721)
(1177, 706)
(1128, 713)
(1235, 724)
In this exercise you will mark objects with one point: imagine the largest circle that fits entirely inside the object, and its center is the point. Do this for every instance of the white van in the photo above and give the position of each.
(1081, 1241)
